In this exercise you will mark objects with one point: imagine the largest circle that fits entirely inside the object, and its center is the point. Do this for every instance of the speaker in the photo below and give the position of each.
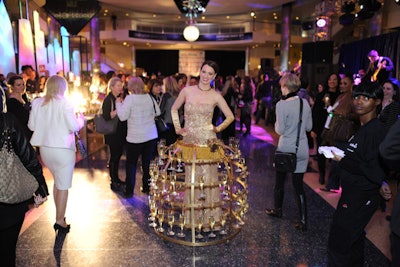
(317, 52)
(316, 73)
(266, 64)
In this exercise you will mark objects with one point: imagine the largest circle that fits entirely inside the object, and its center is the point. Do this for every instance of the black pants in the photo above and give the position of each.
(245, 117)
(133, 151)
(8, 242)
(346, 236)
(297, 182)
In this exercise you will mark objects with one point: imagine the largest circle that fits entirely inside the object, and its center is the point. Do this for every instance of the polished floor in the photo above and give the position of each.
(109, 230)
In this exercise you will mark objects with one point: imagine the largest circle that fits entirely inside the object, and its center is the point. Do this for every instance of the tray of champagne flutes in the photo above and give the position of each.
(198, 194)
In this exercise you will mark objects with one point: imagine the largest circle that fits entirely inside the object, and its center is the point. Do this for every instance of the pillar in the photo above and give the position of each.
(95, 44)
(285, 36)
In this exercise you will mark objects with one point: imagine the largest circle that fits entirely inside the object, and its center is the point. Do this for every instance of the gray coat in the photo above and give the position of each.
(286, 125)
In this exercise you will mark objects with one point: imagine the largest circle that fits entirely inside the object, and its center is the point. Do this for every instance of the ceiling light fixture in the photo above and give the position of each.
(191, 8)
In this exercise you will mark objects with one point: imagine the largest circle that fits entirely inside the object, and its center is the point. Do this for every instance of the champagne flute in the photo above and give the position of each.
(171, 163)
(171, 220)
(211, 221)
(202, 180)
(160, 217)
(179, 166)
(223, 222)
(199, 226)
(173, 181)
(161, 151)
(182, 222)
(163, 174)
(153, 213)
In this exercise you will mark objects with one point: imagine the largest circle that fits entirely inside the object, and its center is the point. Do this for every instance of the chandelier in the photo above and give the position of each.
(191, 9)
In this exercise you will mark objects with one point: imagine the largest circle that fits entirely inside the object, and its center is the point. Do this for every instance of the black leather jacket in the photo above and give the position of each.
(24, 151)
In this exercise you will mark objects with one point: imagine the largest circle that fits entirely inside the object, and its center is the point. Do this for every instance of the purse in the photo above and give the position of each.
(160, 123)
(17, 184)
(287, 161)
(103, 126)
(343, 130)
(80, 146)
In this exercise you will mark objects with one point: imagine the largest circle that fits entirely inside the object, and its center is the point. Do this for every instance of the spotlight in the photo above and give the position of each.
(397, 2)
(321, 22)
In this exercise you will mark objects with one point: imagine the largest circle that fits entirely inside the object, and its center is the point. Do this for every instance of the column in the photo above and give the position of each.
(285, 36)
(95, 44)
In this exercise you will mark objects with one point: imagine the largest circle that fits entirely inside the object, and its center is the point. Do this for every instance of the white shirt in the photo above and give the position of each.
(139, 111)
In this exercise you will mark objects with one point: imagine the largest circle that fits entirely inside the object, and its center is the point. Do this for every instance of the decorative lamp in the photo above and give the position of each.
(191, 33)
(321, 22)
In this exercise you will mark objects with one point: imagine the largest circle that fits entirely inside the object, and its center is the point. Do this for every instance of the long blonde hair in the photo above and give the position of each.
(55, 87)
(171, 86)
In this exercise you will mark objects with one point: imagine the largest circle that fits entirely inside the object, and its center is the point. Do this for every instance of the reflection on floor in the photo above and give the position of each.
(109, 230)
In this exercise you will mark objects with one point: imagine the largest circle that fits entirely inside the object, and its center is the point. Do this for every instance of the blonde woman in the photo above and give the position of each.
(287, 125)
(53, 122)
(139, 110)
(115, 141)
(168, 99)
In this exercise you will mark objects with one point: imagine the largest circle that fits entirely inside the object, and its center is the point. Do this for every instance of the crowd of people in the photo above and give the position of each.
(354, 118)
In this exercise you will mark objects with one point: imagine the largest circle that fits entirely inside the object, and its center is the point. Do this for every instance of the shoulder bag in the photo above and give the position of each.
(103, 126)
(287, 161)
(160, 123)
(17, 184)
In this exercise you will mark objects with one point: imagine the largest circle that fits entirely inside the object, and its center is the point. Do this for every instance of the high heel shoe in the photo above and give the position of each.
(62, 229)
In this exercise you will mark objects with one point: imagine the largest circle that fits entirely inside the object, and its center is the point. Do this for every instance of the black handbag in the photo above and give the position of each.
(160, 123)
(287, 161)
(103, 126)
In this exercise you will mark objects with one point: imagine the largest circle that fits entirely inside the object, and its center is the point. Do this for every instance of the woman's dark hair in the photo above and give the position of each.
(326, 87)
(369, 89)
(12, 79)
(153, 82)
(212, 64)
(395, 84)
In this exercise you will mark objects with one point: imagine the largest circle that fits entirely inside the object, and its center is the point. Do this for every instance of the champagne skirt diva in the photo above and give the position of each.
(198, 193)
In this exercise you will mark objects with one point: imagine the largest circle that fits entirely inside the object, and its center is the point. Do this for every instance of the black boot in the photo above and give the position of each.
(302, 206)
(278, 199)
(321, 179)
(116, 183)
(130, 179)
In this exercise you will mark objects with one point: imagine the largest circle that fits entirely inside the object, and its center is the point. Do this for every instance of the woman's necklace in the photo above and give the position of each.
(204, 89)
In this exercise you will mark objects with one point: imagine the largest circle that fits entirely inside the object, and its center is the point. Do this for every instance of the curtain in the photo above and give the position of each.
(354, 56)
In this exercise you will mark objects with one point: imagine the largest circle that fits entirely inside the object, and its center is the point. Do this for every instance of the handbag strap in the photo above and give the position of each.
(154, 106)
(299, 125)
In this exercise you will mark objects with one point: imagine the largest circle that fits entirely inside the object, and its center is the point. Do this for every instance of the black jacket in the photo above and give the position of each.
(23, 150)
(390, 152)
